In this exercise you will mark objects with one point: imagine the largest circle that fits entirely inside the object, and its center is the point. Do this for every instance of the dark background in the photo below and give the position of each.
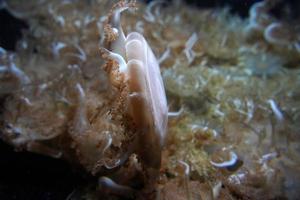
(29, 176)
(11, 27)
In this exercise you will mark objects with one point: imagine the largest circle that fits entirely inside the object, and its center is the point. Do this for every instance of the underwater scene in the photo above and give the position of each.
(162, 100)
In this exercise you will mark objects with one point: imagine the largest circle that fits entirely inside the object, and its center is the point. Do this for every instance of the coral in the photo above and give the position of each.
(98, 130)
(235, 135)
(262, 64)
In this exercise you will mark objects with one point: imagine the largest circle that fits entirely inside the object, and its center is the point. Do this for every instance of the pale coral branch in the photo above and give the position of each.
(110, 186)
(190, 54)
(276, 110)
(231, 162)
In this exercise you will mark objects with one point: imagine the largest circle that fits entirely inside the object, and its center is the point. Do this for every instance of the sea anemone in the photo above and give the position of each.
(11, 76)
(280, 34)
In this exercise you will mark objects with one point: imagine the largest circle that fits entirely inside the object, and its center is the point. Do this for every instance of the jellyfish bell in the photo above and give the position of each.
(146, 98)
